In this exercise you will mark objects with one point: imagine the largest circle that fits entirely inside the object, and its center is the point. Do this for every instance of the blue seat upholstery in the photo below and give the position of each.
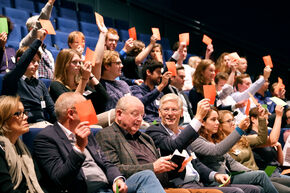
(167, 54)
(89, 29)
(121, 24)
(88, 17)
(124, 35)
(5, 3)
(91, 42)
(119, 47)
(144, 38)
(67, 13)
(67, 25)
(60, 40)
(15, 37)
(165, 43)
(46, 82)
(109, 22)
(17, 16)
(25, 5)
(54, 52)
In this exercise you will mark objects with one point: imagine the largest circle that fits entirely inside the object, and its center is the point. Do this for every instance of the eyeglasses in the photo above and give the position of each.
(20, 114)
(229, 121)
(167, 110)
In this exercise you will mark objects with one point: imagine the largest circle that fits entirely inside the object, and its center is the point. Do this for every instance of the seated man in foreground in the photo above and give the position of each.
(133, 151)
(72, 161)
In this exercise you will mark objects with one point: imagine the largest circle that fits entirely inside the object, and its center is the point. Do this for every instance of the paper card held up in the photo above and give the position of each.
(209, 92)
(270, 169)
(47, 25)
(278, 101)
(99, 19)
(268, 61)
(3, 25)
(253, 99)
(87, 112)
(156, 32)
(207, 40)
(171, 68)
(132, 33)
(90, 56)
(247, 111)
(184, 37)
(234, 56)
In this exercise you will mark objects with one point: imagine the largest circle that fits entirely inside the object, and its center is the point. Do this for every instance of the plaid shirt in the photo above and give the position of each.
(46, 65)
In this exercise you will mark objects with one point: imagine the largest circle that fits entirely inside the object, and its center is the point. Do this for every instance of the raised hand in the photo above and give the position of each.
(245, 123)
(3, 39)
(163, 165)
(82, 131)
(203, 107)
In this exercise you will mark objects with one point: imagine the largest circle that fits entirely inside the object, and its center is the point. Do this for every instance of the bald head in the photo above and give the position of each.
(64, 102)
(127, 101)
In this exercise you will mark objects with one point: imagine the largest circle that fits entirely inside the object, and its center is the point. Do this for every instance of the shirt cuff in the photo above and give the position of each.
(211, 176)
(123, 54)
(195, 124)
(240, 131)
(77, 151)
(123, 178)
(175, 55)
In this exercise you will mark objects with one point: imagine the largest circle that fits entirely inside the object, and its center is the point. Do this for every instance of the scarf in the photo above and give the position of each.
(20, 164)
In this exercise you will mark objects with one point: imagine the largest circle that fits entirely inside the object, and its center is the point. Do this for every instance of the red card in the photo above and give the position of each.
(280, 83)
(268, 61)
(87, 112)
(248, 107)
(132, 33)
(156, 32)
(99, 18)
(253, 99)
(171, 68)
(184, 37)
(90, 54)
(47, 25)
(207, 40)
(209, 92)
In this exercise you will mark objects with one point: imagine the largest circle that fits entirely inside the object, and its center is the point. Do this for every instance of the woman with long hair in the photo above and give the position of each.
(206, 145)
(17, 170)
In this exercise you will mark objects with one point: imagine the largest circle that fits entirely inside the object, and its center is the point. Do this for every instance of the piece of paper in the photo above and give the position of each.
(270, 169)
(3, 25)
(280, 83)
(132, 33)
(207, 40)
(225, 182)
(253, 99)
(86, 112)
(184, 163)
(171, 68)
(90, 56)
(234, 56)
(278, 101)
(247, 111)
(268, 61)
(264, 106)
(156, 32)
(184, 37)
(209, 92)
(47, 25)
(99, 19)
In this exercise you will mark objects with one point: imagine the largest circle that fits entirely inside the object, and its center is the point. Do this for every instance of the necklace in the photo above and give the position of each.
(7, 69)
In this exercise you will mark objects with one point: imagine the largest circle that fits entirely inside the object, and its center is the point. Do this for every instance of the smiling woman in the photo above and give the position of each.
(16, 165)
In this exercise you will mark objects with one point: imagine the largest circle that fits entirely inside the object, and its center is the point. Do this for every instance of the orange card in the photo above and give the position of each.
(90, 56)
(47, 25)
(209, 92)
(248, 107)
(87, 112)
(280, 83)
(156, 32)
(132, 33)
(268, 61)
(184, 163)
(207, 40)
(171, 68)
(184, 37)
(253, 99)
(99, 18)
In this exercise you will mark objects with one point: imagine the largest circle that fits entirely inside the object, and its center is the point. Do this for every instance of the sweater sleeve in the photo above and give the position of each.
(261, 138)
(206, 148)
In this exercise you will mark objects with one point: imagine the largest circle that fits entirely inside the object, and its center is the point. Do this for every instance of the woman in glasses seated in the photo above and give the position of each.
(17, 173)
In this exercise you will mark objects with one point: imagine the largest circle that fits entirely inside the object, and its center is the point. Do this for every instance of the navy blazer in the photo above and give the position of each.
(61, 165)
(167, 146)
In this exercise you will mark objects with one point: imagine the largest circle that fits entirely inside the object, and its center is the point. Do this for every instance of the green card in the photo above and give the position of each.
(264, 106)
(117, 187)
(225, 182)
(3, 25)
(270, 169)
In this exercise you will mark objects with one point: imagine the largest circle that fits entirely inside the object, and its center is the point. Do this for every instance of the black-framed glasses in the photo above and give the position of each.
(20, 114)
(229, 121)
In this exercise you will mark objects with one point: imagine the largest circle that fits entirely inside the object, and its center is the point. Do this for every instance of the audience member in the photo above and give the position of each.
(222, 61)
(193, 62)
(33, 92)
(242, 66)
(46, 64)
(169, 137)
(157, 53)
(210, 149)
(131, 150)
(150, 91)
(287, 117)
(17, 170)
(76, 41)
(111, 69)
(72, 160)
(204, 75)
(7, 54)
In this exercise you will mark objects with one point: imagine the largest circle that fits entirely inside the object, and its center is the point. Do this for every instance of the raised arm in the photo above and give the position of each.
(276, 130)
(142, 55)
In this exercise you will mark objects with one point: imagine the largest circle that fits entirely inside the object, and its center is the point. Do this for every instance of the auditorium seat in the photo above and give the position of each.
(67, 25)
(165, 43)
(88, 17)
(167, 54)
(67, 13)
(121, 24)
(144, 38)
(60, 40)
(124, 35)
(25, 5)
(91, 42)
(5, 3)
(89, 29)
(109, 22)
(15, 36)
(119, 47)
(17, 16)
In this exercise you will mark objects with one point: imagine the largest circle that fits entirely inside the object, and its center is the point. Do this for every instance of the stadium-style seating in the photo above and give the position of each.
(66, 25)
(89, 29)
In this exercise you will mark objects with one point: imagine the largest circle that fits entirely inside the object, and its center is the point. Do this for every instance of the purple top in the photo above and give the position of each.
(10, 52)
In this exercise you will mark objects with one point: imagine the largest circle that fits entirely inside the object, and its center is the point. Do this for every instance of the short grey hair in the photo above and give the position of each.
(31, 22)
(171, 97)
(124, 102)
